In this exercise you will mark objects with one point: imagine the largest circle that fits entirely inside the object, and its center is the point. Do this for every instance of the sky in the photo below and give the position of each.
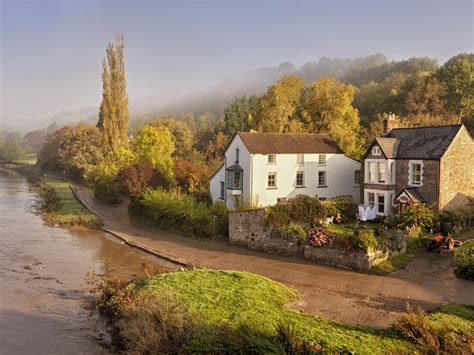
(51, 50)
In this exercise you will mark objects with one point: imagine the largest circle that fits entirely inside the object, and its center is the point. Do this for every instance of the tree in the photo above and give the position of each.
(138, 177)
(327, 108)
(73, 150)
(11, 149)
(216, 147)
(191, 176)
(239, 114)
(279, 105)
(182, 136)
(155, 146)
(457, 74)
(113, 114)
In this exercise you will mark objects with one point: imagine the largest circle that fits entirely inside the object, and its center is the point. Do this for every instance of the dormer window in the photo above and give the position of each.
(376, 150)
(237, 152)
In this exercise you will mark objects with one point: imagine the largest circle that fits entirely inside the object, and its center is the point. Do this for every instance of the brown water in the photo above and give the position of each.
(43, 293)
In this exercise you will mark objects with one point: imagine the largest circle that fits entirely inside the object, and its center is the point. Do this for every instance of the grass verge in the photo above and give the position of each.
(68, 211)
(208, 311)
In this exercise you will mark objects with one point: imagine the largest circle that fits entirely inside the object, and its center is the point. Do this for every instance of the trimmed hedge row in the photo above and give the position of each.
(175, 212)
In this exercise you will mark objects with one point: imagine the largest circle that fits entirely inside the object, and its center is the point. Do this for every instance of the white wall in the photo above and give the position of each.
(339, 169)
(215, 184)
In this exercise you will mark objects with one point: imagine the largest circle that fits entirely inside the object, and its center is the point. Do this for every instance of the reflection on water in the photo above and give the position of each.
(42, 275)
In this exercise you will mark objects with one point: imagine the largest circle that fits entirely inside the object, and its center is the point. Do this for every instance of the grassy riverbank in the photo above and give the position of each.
(207, 311)
(66, 211)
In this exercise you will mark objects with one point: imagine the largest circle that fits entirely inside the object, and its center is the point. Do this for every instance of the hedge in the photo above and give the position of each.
(464, 259)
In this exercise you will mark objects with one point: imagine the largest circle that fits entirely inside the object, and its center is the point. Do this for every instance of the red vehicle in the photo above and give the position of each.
(440, 243)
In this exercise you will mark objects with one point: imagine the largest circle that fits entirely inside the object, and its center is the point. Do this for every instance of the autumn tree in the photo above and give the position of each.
(279, 105)
(155, 146)
(191, 176)
(113, 114)
(182, 135)
(327, 108)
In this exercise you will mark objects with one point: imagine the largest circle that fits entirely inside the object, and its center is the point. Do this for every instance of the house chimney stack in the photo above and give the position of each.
(390, 123)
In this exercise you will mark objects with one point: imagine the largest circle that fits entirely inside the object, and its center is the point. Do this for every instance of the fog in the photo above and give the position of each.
(181, 54)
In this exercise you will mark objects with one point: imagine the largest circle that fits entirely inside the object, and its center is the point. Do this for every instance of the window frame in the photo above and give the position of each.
(274, 174)
(302, 179)
(372, 173)
(231, 174)
(381, 203)
(380, 172)
(274, 159)
(237, 155)
(376, 150)
(324, 172)
(369, 194)
(411, 181)
(357, 177)
(222, 190)
(300, 159)
(322, 162)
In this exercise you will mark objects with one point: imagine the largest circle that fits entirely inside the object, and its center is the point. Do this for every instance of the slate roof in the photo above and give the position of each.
(414, 194)
(422, 142)
(389, 146)
(289, 143)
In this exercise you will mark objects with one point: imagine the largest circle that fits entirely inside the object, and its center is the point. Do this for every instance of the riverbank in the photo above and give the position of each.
(336, 294)
(204, 311)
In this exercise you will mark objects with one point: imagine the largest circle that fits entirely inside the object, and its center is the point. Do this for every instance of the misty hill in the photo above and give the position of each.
(358, 71)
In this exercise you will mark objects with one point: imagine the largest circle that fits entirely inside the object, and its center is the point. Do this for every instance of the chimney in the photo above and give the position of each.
(390, 123)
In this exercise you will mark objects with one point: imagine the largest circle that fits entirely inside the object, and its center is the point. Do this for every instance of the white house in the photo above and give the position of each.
(264, 168)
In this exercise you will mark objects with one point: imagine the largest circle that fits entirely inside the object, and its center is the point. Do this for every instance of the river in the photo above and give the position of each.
(43, 269)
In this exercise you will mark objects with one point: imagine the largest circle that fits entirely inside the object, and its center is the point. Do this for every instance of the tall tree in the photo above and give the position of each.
(239, 114)
(113, 114)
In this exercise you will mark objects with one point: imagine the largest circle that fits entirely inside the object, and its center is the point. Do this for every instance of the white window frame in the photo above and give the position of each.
(271, 159)
(381, 204)
(275, 180)
(372, 173)
(368, 198)
(300, 159)
(325, 178)
(302, 181)
(376, 150)
(381, 171)
(410, 172)
(322, 159)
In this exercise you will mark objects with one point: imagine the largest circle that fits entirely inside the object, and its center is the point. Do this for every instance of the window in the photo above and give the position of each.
(234, 179)
(222, 196)
(371, 198)
(322, 159)
(271, 181)
(380, 203)
(372, 166)
(376, 151)
(237, 153)
(300, 179)
(416, 174)
(381, 172)
(271, 159)
(300, 159)
(357, 177)
(322, 179)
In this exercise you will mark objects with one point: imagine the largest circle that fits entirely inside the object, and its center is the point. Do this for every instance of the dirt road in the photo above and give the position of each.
(334, 293)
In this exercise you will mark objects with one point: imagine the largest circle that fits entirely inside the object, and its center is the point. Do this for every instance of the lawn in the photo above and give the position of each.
(70, 211)
(254, 306)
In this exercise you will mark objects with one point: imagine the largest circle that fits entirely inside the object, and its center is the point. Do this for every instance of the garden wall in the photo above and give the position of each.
(247, 228)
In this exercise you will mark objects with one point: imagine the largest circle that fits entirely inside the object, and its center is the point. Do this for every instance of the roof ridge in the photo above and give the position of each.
(288, 133)
(446, 125)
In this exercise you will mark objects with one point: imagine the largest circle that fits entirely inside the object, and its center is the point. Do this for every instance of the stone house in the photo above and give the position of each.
(434, 165)
(264, 168)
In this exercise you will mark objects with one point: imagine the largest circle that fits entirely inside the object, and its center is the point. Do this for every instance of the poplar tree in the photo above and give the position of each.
(113, 114)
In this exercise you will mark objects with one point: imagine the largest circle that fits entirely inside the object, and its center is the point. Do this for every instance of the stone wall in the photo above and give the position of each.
(430, 179)
(457, 172)
(247, 228)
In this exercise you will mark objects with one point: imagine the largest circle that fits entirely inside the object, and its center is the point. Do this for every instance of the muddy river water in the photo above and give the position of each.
(43, 269)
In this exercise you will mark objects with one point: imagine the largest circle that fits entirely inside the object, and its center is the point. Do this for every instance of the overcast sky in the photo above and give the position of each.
(51, 50)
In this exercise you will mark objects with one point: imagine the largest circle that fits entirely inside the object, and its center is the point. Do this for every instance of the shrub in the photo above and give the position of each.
(464, 259)
(331, 208)
(292, 232)
(417, 214)
(136, 178)
(51, 200)
(346, 206)
(174, 211)
(221, 213)
(304, 209)
(391, 221)
(367, 240)
(458, 215)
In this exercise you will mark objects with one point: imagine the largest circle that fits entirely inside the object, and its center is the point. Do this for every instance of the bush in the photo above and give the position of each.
(174, 211)
(346, 206)
(293, 233)
(417, 214)
(464, 259)
(221, 213)
(138, 177)
(392, 221)
(304, 209)
(458, 215)
(51, 200)
(367, 240)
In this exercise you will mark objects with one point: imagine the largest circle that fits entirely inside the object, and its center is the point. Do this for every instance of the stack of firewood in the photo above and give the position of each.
(318, 237)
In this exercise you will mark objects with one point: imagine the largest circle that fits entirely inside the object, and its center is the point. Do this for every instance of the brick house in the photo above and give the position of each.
(434, 165)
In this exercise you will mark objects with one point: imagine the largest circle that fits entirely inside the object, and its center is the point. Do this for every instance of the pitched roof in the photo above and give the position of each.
(422, 142)
(389, 146)
(288, 143)
(414, 194)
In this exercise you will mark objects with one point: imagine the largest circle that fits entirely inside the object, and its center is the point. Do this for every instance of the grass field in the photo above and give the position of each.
(70, 211)
(253, 307)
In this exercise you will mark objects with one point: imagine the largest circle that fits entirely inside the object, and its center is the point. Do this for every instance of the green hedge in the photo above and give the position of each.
(293, 233)
(464, 259)
(175, 212)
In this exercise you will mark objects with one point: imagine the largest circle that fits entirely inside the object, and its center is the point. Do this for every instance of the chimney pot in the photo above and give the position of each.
(390, 123)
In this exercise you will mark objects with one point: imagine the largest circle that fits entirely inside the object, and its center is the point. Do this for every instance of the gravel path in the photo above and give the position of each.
(338, 294)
